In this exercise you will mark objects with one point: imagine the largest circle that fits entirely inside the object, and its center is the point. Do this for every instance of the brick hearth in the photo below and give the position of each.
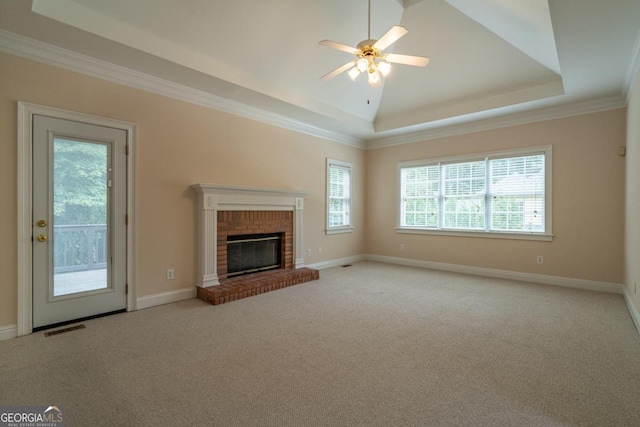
(254, 284)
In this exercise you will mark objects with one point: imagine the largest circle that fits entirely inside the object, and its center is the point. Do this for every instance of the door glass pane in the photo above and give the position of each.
(80, 212)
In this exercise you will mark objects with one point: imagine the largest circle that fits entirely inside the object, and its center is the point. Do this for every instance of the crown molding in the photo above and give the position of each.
(634, 68)
(38, 51)
(35, 50)
(408, 3)
(538, 115)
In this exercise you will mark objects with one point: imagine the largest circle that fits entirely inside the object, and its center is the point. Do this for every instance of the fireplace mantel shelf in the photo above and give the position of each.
(214, 198)
(238, 190)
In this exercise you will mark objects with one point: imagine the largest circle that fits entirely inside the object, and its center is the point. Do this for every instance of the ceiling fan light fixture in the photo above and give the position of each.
(354, 73)
(374, 76)
(362, 65)
(384, 68)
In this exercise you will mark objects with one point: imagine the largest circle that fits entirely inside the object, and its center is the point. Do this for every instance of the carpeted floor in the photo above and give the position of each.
(368, 345)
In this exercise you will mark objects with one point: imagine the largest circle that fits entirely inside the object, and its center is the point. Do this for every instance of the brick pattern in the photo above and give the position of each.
(246, 286)
(231, 223)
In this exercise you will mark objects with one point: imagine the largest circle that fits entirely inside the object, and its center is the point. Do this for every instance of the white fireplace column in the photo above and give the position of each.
(214, 198)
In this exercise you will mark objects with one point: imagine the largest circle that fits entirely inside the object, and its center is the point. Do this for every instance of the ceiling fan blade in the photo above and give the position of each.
(338, 70)
(342, 47)
(390, 37)
(418, 61)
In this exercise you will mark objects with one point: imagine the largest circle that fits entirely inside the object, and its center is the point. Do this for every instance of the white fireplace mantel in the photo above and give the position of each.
(214, 198)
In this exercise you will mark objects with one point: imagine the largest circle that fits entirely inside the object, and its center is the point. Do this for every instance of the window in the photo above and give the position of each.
(504, 194)
(338, 197)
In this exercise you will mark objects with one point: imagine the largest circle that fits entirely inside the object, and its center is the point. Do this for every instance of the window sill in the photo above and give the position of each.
(489, 235)
(340, 230)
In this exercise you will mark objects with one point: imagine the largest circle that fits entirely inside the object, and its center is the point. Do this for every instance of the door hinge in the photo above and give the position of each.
(126, 150)
(126, 219)
(126, 288)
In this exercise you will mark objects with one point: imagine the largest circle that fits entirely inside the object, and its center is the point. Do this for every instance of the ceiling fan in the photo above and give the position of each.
(370, 57)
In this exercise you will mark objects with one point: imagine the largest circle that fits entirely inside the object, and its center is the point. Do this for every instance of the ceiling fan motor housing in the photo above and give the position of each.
(366, 43)
(370, 53)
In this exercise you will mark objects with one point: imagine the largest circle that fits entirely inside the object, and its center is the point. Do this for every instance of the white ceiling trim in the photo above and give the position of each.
(52, 55)
(45, 53)
(536, 91)
(543, 114)
(634, 68)
(408, 3)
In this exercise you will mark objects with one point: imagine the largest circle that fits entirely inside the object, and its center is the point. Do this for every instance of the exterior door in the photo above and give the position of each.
(79, 220)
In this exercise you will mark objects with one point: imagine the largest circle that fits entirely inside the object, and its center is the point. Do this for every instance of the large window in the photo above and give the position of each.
(504, 194)
(338, 197)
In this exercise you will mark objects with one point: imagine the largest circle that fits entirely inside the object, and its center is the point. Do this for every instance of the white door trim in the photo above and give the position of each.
(26, 112)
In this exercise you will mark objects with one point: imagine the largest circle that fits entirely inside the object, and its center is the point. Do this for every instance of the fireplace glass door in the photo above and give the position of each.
(253, 253)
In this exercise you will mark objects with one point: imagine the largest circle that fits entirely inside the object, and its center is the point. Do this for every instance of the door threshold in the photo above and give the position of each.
(82, 319)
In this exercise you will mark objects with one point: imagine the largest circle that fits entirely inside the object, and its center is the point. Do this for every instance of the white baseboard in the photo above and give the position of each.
(615, 288)
(7, 332)
(633, 311)
(166, 297)
(11, 331)
(336, 262)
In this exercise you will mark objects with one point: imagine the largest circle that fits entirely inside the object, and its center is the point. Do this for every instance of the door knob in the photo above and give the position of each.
(42, 223)
(42, 238)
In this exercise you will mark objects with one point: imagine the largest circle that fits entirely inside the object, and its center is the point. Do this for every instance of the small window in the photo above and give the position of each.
(503, 194)
(338, 197)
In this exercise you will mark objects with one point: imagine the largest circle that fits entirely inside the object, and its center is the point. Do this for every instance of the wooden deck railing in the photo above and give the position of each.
(79, 247)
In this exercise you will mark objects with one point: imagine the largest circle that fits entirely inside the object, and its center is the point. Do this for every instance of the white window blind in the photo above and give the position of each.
(494, 193)
(464, 195)
(338, 195)
(420, 189)
(516, 193)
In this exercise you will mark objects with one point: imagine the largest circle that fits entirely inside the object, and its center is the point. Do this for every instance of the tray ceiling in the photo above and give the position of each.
(489, 58)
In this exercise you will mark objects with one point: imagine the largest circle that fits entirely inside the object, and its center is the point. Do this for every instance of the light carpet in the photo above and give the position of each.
(368, 345)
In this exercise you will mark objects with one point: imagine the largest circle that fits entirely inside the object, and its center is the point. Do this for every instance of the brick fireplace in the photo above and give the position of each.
(240, 223)
(225, 211)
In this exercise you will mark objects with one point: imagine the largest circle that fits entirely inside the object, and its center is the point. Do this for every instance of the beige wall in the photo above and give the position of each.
(588, 200)
(632, 225)
(179, 144)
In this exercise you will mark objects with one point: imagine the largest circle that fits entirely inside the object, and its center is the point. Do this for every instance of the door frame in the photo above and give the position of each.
(26, 111)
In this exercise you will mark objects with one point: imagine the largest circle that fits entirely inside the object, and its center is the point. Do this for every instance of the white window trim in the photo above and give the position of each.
(343, 228)
(546, 236)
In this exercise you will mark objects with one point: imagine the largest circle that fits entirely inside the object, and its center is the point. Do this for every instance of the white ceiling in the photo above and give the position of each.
(489, 58)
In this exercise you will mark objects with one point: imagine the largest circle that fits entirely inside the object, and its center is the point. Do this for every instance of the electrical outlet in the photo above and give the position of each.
(170, 274)
(402, 246)
(319, 250)
(309, 252)
(540, 259)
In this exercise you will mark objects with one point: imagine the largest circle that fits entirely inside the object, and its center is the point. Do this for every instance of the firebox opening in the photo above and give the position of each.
(252, 253)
